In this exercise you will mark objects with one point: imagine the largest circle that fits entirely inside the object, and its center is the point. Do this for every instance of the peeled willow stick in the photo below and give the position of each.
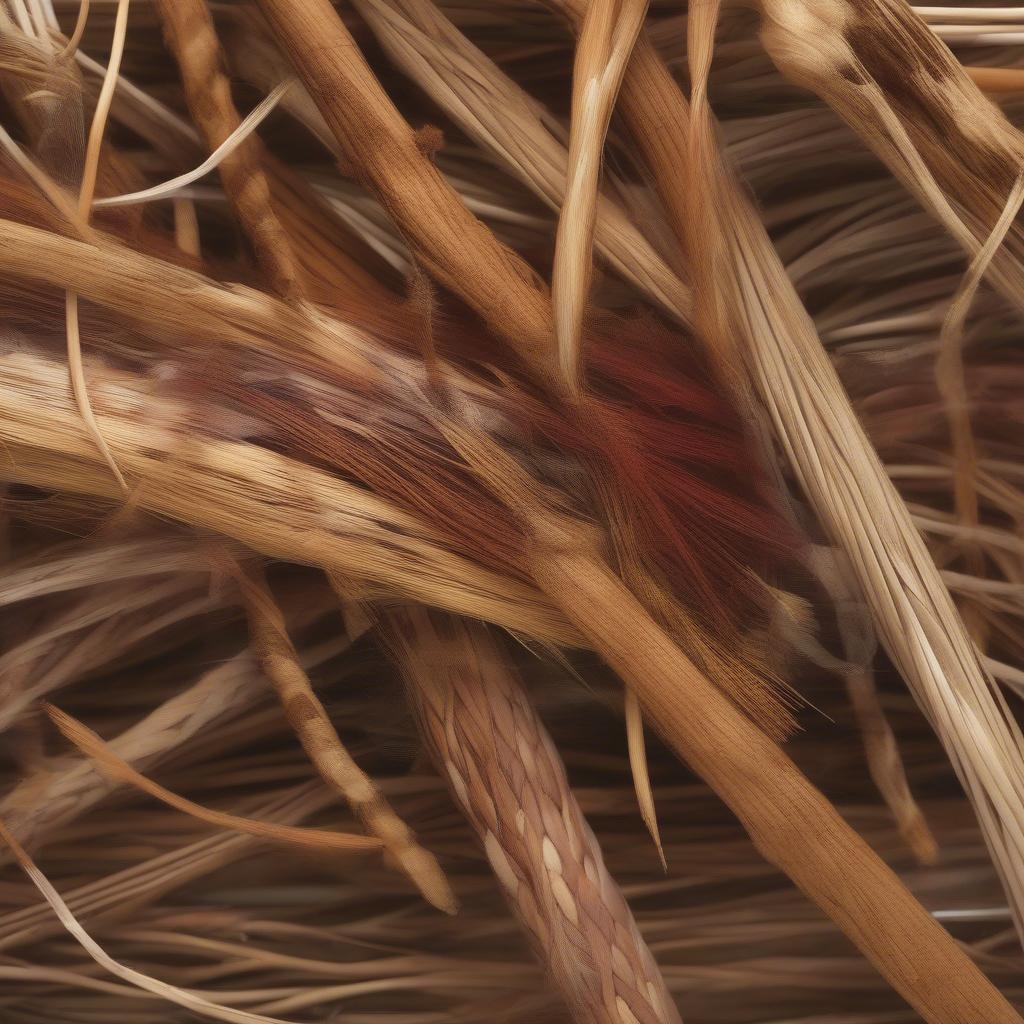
(898, 86)
(764, 341)
(321, 741)
(191, 35)
(505, 773)
(447, 240)
(608, 33)
(792, 824)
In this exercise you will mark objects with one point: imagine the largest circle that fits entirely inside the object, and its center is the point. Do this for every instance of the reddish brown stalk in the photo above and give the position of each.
(505, 773)
(447, 240)
(192, 37)
(792, 824)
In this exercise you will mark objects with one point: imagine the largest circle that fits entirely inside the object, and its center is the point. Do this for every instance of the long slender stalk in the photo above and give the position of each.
(793, 825)
(763, 340)
(276, 505)
(503, 118)
(319, 738)
(607, 36)
(85, 196)
(448, 241)
(309, 838)
(790, 822)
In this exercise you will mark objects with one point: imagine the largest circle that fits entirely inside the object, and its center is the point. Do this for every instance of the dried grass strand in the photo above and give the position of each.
(167, 189)
(637, 748)
(75, 39)
(899, 82)
(85, 196)
(189, 1000)
(949, 366)
(609, 30)
(307, 838)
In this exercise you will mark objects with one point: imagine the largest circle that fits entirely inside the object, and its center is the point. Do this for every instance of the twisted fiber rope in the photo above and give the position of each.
(192, 38)
(507, 776)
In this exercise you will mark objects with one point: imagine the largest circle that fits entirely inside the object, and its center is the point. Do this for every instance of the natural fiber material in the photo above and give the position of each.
(473, 324)
(280, 662)
(505, 773)
(751, 303)
(190, 33)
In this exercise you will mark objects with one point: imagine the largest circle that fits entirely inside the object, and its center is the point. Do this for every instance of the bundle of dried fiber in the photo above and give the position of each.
(289, 399)
(488, 741)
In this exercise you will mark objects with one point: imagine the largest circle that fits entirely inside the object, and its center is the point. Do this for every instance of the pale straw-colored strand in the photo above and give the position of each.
(609, 32)
(850, 54)
(75, 39)
(949, 366)
(637, 748)
(168, 189)
(191, 35)
(190, 1000)
(857, 503)
(85, 198)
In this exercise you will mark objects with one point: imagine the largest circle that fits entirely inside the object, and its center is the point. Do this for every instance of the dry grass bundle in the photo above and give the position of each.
(290, 401)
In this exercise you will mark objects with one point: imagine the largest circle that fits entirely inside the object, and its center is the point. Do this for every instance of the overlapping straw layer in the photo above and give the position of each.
(341, 341)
